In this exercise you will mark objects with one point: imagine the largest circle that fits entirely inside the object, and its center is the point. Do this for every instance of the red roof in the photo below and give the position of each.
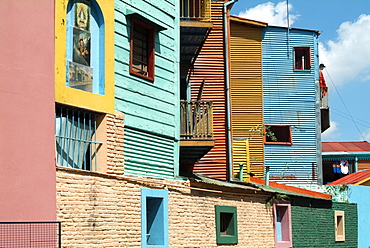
(292, 189)
(352, 178)
(346, 146)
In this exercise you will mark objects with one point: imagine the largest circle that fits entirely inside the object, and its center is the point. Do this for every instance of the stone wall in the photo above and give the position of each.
(100, 210)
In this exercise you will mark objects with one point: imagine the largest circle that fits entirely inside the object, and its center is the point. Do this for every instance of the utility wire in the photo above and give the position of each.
(346, 117)
(340, 97)
(357, 120)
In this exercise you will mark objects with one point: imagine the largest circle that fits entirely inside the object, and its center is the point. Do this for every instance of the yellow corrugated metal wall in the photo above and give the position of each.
(246, 93)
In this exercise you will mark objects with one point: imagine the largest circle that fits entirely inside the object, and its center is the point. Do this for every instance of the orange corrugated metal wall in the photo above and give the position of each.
(210, 65)
(246, 91)
(363, 165)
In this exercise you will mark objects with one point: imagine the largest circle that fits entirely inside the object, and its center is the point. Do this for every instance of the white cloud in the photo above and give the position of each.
(275, 15)
(347, 57)
(332, 132)
(366, 135)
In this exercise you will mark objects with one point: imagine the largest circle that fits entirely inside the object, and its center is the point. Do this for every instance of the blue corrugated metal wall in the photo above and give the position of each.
(290, 98)
(151, 109)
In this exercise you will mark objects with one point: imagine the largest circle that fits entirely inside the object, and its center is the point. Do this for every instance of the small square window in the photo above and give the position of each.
(76, 142)
(283, 225)
(142, 50)
(278, 135)
(302, 58)
(226, 225)
(340, 231)
(154, 218)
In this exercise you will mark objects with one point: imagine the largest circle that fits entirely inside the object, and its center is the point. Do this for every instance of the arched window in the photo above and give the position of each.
(85, 46)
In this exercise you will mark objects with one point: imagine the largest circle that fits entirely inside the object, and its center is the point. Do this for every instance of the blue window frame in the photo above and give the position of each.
(85, 46)
(154, 218)
(76, 144)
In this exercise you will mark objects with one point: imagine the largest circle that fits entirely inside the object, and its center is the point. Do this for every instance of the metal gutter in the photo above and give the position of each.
(345, 153)
(227, 89)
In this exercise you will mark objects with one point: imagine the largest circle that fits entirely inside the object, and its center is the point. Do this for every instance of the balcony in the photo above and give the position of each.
(196, 10)
(195, 25)
(324, 108)
(196, 132)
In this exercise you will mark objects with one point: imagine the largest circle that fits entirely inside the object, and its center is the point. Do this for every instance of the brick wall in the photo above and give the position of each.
(100, 210)
(114, 135)
(313, 223)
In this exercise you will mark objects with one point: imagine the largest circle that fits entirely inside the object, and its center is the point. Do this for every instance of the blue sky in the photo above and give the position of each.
(344, 49)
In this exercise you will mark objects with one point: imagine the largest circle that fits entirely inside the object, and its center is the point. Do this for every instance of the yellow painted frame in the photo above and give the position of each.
(365, 182)
(79, 98)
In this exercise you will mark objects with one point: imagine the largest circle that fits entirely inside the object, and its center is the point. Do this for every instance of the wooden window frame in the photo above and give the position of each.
(269, 142)
(306, 51)
(286, 225)
(230, 235)
(150, 49)
(340, 228)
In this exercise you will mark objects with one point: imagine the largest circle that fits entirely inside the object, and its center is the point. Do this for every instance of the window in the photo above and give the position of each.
(302, 58)
(142, 50)
(85, 46)
(76, 144)
(282, 224)
(154, 218)
(226, 225)
(340, 234)
(278, 135)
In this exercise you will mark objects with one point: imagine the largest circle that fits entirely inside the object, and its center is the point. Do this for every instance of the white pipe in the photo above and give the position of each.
(227, 91)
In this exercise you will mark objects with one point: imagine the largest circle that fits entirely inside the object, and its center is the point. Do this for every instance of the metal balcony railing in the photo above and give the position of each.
(196, 120)
(324, 97)
(196, 10)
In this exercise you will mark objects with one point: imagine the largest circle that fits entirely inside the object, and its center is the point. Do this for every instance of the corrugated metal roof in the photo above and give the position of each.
(346, 146)
(353, 178)
(247, 21)
(259, 184)
(289, 190)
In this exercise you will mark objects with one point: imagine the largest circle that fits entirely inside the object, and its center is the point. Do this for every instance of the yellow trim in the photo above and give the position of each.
(363, 182)
(79, 98)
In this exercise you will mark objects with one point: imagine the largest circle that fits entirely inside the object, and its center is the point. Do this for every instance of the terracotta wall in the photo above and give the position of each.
(27, 141)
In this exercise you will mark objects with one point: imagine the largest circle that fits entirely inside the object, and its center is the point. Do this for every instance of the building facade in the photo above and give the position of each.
(291, 104)
(106, 141)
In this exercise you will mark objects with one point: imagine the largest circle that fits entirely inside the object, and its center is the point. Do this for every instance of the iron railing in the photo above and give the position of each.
(76, 142)
(196, 10)
(30, 234)
(324, 97)
(196, 120)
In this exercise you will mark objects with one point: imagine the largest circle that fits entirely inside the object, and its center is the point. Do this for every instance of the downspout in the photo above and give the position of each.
(227, 89)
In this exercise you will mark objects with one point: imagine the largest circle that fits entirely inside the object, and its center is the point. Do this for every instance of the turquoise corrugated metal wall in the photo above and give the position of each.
(290, 98)
(151, 109)
(148, 155)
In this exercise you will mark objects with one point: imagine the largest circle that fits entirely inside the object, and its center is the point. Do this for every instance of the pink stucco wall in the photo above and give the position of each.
(27, 167)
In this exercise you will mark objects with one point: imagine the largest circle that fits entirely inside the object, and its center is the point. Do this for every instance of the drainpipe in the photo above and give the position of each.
(356, 164)
(267, 175)
(241, 172)
(227, 89)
